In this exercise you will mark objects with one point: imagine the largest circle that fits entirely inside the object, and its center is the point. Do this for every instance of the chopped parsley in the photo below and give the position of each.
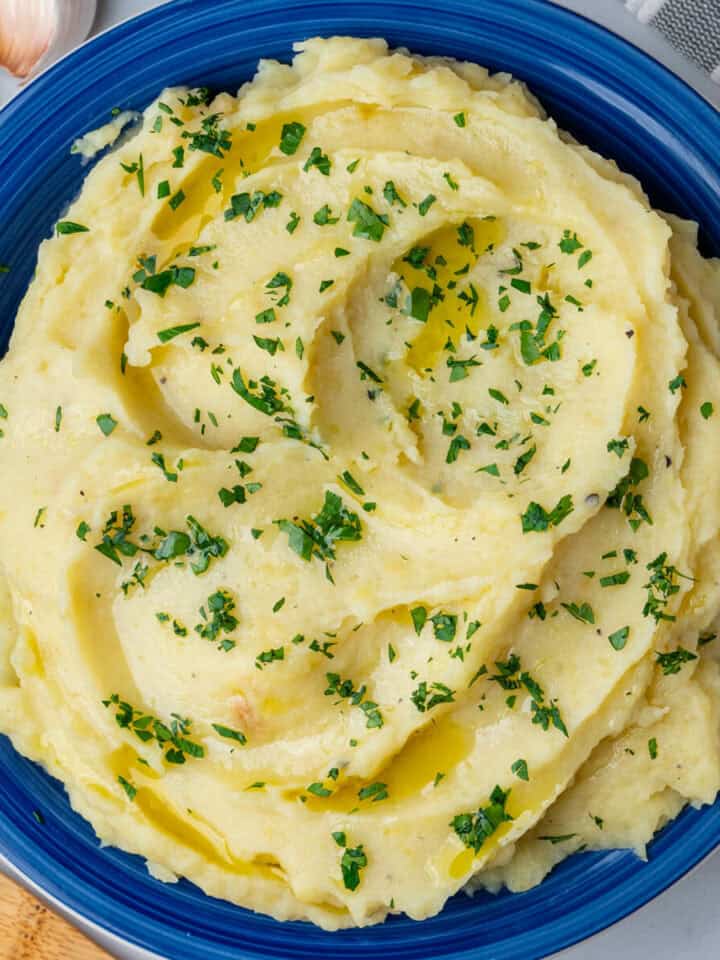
(217, 619)
(263, 395)
(615, 579)
(318, 790)
(345, 690)
(269, 656)
(672, 662)
(291, 137)
(319, 160)
(391, 194)
(569, 243)
(160, 282)
(661, 586)
(618, 639)
(106, 422)
(67, 226)
(248, 206)
(318, 536)
(428, 695)
(369, 225)
(677, 383)
(523, 460)
(159, 460)
(280, 281)
(582, 612)
(173, 739)
(115, 536)
(210, 138)
(176, 199)
(351, 483)
(138, 168)
(230, 734)
(352, 862)
(418, 616)
(171, 332)
(444, 626)
(425, 204)
(366, 373)
(459, 368)
(457, 444)
(622, 496)
(520, 769)
(374, 792)
(128, 787)
(83, 530)
(323, 217)
(511, 678)
(618, 447)
(537, 519)
(418, 304)
(269, 345)
(475, 828)
(498, 395)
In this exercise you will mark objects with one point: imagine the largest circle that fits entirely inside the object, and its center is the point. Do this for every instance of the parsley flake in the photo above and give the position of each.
(369, 225)
(475, 828)
(171, 332)
(291, 137)
(67, 226)
(106, 422)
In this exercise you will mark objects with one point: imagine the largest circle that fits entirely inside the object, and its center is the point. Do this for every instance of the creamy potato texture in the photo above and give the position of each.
(359, 493)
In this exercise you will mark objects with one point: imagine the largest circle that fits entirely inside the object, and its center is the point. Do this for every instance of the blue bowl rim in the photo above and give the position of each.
(21, 852)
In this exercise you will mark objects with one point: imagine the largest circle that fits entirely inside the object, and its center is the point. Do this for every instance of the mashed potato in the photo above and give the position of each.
(359, 493)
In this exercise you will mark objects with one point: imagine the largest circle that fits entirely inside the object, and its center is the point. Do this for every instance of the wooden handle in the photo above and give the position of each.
(29, 931)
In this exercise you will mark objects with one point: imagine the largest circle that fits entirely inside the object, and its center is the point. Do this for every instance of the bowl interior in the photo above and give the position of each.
(610, 96)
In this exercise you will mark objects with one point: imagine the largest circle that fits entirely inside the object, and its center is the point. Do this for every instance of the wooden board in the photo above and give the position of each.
(29, 931)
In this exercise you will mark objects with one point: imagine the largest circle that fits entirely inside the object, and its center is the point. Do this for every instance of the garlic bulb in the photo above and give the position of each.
(34, 33)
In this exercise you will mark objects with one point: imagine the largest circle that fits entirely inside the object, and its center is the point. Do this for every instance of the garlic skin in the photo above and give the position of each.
(35, 33)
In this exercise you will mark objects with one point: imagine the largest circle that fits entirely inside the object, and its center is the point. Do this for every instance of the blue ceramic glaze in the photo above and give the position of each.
(609, 95)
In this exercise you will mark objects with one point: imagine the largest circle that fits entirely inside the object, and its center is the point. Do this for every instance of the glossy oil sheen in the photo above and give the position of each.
(609, 95)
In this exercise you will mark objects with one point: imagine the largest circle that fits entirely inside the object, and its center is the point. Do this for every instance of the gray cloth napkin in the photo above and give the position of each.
(692, 26)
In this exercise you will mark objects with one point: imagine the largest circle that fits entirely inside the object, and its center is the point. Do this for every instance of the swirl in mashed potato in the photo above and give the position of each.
(359, 493)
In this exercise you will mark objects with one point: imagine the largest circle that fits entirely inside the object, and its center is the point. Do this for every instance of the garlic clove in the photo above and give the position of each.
(35, 33)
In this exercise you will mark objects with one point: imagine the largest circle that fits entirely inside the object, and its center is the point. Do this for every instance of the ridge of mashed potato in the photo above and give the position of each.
(358, 493)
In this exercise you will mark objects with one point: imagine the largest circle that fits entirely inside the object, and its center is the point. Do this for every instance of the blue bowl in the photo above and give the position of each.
(612, 97)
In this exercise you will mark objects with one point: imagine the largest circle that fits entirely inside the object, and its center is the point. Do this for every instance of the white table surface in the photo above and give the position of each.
(684, 923)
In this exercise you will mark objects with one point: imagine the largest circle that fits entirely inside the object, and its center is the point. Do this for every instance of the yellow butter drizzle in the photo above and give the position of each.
(436, 749)
(251, 151)
(450, 316)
